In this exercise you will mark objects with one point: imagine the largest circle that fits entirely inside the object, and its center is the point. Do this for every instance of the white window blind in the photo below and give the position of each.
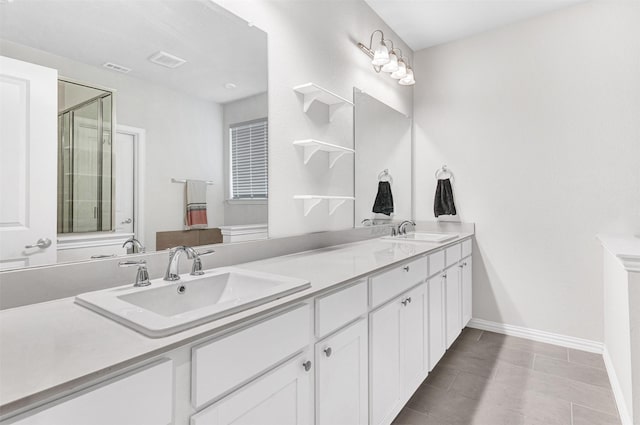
(249, 160)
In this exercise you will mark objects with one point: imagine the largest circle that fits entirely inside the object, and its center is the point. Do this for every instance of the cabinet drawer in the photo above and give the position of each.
(466, 248)
(339, 308)
(436, 262)
(143, 397)
(226, 363)
(453, 254)
(395, 281)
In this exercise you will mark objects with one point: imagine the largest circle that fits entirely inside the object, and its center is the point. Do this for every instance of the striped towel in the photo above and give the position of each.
(196, 202)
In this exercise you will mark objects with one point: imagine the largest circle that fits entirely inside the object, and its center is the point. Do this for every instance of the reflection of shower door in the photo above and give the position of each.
(123, 171)
(85, 182)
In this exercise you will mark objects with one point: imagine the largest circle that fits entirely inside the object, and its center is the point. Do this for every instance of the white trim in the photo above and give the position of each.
(139, 135)
(537, 335)
(248, 201)
(623, 412)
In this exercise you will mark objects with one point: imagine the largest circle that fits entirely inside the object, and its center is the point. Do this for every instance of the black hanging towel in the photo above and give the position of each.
(443, 203)
(384, 199)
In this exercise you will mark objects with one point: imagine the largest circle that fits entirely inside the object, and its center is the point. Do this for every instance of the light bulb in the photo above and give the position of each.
(401, 72)
(408, 80)
(381, 55)
(392, 66)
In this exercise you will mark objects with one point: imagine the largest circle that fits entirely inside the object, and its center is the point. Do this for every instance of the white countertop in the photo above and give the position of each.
(56, 347)
(626, 248)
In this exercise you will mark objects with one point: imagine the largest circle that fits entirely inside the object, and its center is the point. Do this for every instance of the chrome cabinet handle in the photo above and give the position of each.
(406, 301)
(127, 221)
(328, 351)
(406, 268)
(41, 243)
(444, 275)
(307, 365)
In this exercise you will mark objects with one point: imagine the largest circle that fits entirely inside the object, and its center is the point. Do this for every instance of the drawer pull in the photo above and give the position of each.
(328, 351)
(307, 365)
(406, 268)
(444, 275)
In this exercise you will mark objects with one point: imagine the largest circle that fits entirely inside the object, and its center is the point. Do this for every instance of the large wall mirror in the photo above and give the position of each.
(383, 184)
(161, 116)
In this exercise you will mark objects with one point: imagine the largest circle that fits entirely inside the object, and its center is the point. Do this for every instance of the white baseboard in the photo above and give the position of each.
(625, 417)
(536, 335)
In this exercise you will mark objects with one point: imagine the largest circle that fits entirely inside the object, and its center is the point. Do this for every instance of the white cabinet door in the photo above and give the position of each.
(281, 397)
(467, 290)
(437, 347)
(144, 397)
(342, 384)
(386, 392)
(28, 167)
(453, 300)
(414, 345)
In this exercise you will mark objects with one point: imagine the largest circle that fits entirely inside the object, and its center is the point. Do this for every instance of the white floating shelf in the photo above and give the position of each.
(313, 92)
(311, 146)
(311, 201)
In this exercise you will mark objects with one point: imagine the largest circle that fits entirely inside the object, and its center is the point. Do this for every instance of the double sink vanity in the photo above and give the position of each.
(344, 337)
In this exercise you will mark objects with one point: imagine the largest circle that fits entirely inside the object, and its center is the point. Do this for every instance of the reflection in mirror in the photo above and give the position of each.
(382, 163)
(150, 95)
(84, 158)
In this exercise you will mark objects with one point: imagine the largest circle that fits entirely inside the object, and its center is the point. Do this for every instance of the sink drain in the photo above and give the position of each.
(182, 289)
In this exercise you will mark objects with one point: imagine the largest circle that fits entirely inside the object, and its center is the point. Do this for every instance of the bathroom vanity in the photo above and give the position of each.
(352, 348)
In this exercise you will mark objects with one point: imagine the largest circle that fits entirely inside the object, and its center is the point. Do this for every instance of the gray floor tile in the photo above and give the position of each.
(559, 387)
(585, 416)
(575, 371)
(441, 377)
(587, 359)
(490, 379)
(525, 345)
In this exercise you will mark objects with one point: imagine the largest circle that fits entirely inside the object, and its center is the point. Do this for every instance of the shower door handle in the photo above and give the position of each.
(127, 221)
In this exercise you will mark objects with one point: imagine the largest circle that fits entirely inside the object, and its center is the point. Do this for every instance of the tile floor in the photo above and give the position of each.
(493, 379)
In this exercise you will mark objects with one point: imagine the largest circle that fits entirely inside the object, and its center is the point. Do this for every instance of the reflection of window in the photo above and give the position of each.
(249, 160)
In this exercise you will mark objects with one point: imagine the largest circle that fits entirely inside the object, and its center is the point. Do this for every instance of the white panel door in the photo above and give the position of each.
(386, 391)
(466, 275)
(413, 325)
(342, 384)
(281, 397)
(453, 304)
(123, 164)
(437, 347)
(28, 163)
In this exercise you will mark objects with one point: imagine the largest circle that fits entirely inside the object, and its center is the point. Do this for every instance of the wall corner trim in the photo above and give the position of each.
(623, 412)
(537, 335)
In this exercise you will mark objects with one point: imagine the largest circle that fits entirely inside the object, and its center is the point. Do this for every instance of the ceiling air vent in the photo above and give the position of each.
(166, 59)
(115, 67)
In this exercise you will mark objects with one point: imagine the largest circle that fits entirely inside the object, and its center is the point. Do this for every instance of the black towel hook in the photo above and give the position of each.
(385, 173)
(443, 170)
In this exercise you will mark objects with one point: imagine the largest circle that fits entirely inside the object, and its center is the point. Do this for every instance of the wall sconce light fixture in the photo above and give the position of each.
(387, 58)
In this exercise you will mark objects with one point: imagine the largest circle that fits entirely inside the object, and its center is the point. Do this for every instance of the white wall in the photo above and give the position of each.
(539, 123)
(382, 141)
(236, 112)
(315, 41)
(183, 137)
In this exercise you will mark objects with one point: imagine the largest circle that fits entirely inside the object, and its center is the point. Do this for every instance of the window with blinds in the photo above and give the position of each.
(249, 160)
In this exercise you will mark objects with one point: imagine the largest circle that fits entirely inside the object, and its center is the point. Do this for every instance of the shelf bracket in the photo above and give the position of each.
(334, 156)
(309, 151)
(333, 109)
(334, 204)
(309, 98)
(309, 204)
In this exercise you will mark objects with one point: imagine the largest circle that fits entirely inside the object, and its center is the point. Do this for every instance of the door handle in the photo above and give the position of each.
(127, 221)
(42, 243)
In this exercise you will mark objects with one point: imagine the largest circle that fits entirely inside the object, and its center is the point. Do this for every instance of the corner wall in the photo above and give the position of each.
(539, 123)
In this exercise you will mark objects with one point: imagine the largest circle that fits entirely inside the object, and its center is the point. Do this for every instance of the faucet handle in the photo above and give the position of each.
(142, 276)
(196, 268)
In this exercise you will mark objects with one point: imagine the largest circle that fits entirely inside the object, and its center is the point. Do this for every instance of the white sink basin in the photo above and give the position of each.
(422, 237)
(160, 309)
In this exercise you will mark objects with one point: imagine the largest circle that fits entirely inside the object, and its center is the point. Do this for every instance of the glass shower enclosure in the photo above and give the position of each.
(85, 158)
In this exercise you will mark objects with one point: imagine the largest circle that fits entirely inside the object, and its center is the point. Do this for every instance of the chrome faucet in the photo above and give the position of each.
(142, 275)
(135, 248)
(174, 259)
(402, 228)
